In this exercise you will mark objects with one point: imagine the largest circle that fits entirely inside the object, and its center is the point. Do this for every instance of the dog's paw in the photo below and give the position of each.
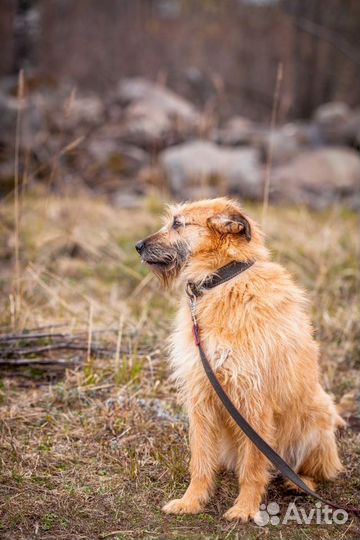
(182, 506)
(241, 513)
(306, 479)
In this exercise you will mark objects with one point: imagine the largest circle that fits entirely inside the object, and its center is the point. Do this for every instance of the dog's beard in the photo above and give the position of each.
(166, 261)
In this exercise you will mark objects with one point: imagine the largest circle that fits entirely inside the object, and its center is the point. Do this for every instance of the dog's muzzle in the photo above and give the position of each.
(156, 254)
(161, 255)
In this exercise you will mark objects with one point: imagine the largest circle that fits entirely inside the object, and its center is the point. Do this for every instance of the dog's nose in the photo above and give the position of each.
(139, 246)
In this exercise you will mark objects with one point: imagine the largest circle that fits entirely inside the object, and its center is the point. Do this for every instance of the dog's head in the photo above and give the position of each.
(198, 238)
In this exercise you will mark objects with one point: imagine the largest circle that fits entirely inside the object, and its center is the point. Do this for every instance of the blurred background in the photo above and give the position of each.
(108, 110)
(192, 97)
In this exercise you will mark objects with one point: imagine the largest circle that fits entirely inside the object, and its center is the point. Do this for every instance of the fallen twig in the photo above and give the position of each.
(19, 349)
(40, 361)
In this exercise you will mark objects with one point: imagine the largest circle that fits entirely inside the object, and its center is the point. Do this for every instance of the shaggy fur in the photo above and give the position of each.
(256, 332)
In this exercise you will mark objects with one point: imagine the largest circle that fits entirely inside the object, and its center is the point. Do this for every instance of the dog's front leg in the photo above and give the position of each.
(253, 470)
(204, 460)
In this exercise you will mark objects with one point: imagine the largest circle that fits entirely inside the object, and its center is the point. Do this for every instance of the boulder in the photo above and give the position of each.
(45, 118)
(154, 115)
(329, 115)
(116, 157)
(237, 131)
(337, 123)
(107, 163)
(73, 111)
(202, 168)
(135, 90)
(286, 142)
(319, 177)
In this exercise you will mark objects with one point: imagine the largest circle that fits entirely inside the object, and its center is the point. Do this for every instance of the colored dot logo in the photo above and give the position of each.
(267, 514)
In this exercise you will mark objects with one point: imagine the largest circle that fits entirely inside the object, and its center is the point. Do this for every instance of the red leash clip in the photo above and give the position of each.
(196, 334)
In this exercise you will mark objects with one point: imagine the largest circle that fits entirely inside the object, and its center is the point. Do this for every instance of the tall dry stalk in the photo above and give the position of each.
(274, 111)
(118, 343)
(17, 269)
(90, 331)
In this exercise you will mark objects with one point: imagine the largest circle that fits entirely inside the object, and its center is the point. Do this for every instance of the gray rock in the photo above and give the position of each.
(236, 132)
(319, 177)
(117, 157)
(201, 167)
(155, 115)
(337, 123)
(68, 113)
(330, 114)
(286, 142)
(140, 90)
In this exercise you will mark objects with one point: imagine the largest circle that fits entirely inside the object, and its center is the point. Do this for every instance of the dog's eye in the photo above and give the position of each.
(176, 224)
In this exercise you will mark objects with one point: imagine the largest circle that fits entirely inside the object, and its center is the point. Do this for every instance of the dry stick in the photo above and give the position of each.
(118, 343)
(4, 338)
(36, 329)
(91, 309)
(40, 361)
(11, 351)
(276, 98)
(17, 293)
(56, 347)
(112, 533)
(71, 146)
(27, 335)
(61, 340)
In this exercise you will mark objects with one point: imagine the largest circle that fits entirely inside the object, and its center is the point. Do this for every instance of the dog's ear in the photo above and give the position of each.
(230, 223)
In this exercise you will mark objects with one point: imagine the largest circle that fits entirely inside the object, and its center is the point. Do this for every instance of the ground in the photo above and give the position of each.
(93, 448)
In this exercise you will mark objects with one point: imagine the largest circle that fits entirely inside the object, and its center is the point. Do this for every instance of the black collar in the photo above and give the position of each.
(225, 273)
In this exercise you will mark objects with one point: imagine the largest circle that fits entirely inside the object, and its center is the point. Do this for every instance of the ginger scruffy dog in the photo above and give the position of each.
(257, 335)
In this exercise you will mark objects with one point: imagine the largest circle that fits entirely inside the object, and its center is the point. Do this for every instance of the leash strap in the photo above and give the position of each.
(249, 431)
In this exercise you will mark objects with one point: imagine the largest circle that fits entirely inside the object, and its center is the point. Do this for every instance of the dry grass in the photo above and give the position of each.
(93, 452)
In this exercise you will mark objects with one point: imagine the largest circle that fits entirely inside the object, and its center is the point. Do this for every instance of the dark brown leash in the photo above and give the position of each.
(194, 291)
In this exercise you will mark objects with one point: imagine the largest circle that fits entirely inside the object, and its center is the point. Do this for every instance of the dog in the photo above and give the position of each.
(257, 335)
